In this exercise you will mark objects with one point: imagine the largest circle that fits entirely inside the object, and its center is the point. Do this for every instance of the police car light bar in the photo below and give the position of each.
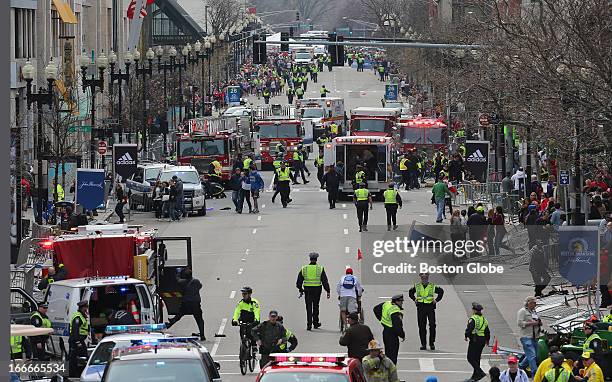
(307, 358)
(115, 329)
(361, 140)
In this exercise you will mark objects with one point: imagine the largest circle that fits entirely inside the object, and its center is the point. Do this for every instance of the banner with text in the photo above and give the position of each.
(477, 160)
(90, 187)
(578, 254)
(125, 160)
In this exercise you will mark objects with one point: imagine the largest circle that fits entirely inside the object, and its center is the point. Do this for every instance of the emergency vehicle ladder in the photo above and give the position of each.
(272, 112)
(211, 125)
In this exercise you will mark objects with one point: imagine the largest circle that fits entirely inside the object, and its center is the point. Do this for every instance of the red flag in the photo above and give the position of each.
(132, 7)
(495, 346)
(359, 254)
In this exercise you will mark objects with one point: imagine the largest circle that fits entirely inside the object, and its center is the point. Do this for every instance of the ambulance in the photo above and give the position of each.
(322, 112)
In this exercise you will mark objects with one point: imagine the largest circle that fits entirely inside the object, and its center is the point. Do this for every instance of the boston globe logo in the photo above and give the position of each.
(476, 156)
(125, 159)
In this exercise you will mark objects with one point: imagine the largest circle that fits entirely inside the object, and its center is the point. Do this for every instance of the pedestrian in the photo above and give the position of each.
(513, 373)
(165, 200)
(349, 294)
(257, 184)
(288, 339)
(172, 202)
(235, 184)
(282, 179)
(331, 182)
(592, 371)
(191, 302)
(245, 191)
(320, 165)
(356, 337)
(40, 319)
(390, 314)
(457, 228)
(158, 192)
(269, 336)
(299, 166)
(547, 364)
(499, 222)
(478, 334)
(266, 95)
(439, 192)
(180, 196)
(494, 374)
(310, 281)
(477, 225)
(362, 199)
(238, 163)
(392, 201)
(290, 93)
(79, 331)
(426, 295)
(121, 200)
(377, 367)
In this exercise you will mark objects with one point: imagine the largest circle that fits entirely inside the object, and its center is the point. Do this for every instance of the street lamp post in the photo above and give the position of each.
(196, 58)
(165, 67)
(208, 46)
(181, 66)
(41, 98)
(119, 77)
(93, 84)
(143, 71)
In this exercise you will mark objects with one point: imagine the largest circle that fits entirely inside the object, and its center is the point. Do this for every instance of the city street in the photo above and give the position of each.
(265, 252)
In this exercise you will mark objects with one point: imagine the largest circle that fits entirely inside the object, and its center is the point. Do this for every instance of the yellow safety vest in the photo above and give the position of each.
(587, 342)
(318, 161)
(84, 327)
(46, 323)
(480, 324)
(425, 294)
(16, 344)
(284, 174)
(312, 275)
(288, 334)
(389, 309)
(60, 192)
(333, 128)
(390, 196)
(362, 194)
(607, 318)
(359, 175)
(246, 164)
(297, 156)
(419, 165)
(403, 166)
(277, 163)
(564, 375)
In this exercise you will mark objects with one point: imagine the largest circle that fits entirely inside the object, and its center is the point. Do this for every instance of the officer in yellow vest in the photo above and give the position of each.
(322, 140)
(333, 129)
(557, 373)
(19, 347)
(299, 165)
(478, 335)
(40, 320)
(79, 331)
(390, 315)
(392, 201)
(310, 281)
(246, 164)
(360, 177)
(299, 92)
(319, 164)
(607, 318)
(403, 168)
(362, 199)
(282, 177)
(593, 342)
(426, 295)
(323, 92)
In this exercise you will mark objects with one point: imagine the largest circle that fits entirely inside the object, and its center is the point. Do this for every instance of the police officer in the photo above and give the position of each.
(422, 294)
(282, 179)
(333, 129)
(362, 199)
(266, 95)
(298, 165)
(289, 339)
(40, 320)
(360, 176)
(310, 281)
(246, 163)
(320, 63)
(314, 73)
(319, 164)
(404, 171)
(390, 315)
(299, 92)
(392, 201)
(290, 93)
(322, 140)
(478, 335)
(79, 331)
(323, 92)
(330, 64)
(557, 373)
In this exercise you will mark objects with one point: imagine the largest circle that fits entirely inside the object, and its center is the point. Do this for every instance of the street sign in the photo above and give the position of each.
(483, 120)
(110, 121)
(79, 129)
(233, 95)
(564, 177)
(102, 147)
(391, 92)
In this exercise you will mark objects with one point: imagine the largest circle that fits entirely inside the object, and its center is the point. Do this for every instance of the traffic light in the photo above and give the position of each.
(297, 16)
(339, 52)
(290, 31)
(259, 50)
(336, 52)
(284, 37)
(331, 49)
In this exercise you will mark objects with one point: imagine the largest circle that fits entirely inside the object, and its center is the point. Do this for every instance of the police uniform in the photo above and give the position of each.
(282, 177)
(333, 129)
(393, 200)
(290, 94)
(40, 320)
(311, 280)
(79, 331)
(423, 295)
(17, 347)
(362, 202)
(478, 334)
(298, 165)
(319, 163)
(390, 315)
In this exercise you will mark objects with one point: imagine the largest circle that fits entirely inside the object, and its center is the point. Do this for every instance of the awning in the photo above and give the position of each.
(65, 12)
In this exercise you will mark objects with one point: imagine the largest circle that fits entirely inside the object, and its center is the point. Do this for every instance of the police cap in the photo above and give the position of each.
(83, 303)
(397, 297)
(313, 255)
(476, 306)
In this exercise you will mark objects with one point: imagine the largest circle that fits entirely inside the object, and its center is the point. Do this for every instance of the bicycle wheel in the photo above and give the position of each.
(253, 356)
(243, 358)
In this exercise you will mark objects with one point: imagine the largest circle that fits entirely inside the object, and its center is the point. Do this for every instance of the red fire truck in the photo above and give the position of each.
(419, 133)
(279, 124)
(374, 121)
(209, 139)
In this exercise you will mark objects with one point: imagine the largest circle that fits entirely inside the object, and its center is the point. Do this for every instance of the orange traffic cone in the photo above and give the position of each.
(134, 311)
(495, 346)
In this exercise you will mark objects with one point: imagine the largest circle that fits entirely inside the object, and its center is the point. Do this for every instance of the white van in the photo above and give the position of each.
(104, 294)
(195, 195)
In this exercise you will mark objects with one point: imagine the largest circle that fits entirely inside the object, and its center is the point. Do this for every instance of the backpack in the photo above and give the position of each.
(348, 282)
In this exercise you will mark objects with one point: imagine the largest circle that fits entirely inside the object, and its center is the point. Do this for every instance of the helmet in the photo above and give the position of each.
(557, 358)
(246, 289)
(349, 271)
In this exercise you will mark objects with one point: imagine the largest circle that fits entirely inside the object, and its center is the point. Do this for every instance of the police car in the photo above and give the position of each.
(311, 368)
(172, 359)
(140, 185)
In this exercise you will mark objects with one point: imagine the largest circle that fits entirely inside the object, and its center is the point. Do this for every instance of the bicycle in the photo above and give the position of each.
(248, 349)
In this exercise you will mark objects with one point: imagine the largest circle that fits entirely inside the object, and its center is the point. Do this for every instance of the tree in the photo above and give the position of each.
(222, 14)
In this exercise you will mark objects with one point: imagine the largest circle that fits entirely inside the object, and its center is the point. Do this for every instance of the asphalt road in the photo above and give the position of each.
(265, 251)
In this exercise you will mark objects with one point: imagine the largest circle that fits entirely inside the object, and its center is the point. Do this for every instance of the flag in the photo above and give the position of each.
(495, 346)
(132, 7)
(359, 254)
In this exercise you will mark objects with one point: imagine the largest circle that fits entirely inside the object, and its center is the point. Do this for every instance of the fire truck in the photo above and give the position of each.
(221, 139)
(322, 112)
(279, 124)
(374, 121)
(375, 153)
(429, 134)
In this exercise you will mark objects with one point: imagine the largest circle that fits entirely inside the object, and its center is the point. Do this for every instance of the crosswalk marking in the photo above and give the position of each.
(426, 364)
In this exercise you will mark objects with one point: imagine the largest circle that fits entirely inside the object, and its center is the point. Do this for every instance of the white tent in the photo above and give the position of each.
(275, 37)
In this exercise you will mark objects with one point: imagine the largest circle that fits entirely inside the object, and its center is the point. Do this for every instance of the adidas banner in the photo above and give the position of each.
(125, 160)
(477, 160)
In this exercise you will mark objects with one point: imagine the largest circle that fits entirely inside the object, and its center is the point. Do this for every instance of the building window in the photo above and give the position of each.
(25, 24)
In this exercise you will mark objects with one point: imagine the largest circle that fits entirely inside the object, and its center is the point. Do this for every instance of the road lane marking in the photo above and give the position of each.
(254, 231)
(240, 271)
(347, 249)
(343, 205)
(344, 216)
(346, 231)
(385, 297)
(484, 364)
(259, 218)
(424, 216)
(232, 295)
(427, 364)
(218, 339)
